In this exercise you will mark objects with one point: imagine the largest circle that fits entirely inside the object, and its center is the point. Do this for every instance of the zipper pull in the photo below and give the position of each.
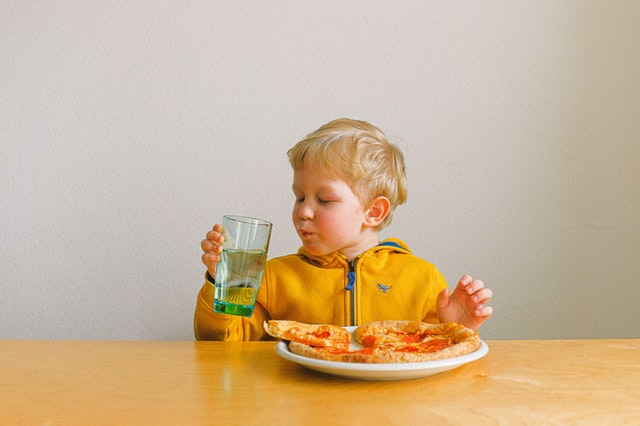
(351, 275)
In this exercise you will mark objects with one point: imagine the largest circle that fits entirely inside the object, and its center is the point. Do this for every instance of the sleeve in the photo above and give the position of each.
(436, 283)
(209, 325)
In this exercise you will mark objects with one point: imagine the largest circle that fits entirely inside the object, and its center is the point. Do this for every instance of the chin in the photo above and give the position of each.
(315, 250)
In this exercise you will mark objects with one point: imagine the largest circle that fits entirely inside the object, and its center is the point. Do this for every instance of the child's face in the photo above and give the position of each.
(328, 215)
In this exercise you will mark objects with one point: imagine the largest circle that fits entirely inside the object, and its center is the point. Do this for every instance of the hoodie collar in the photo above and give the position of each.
(336, 258)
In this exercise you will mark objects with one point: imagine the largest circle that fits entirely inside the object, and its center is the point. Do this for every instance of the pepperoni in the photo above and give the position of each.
(408, 349)
(434, 345)
(322, 335)
(425, 347)
(368, 341)
(411, 338)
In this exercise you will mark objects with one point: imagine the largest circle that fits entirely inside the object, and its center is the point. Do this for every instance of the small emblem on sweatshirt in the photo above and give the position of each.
(383, 288)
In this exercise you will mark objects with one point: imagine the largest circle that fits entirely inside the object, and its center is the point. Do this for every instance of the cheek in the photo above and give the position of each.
(335, 223)
(295, 216)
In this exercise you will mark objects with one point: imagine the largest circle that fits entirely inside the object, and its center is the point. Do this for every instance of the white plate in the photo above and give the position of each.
(401, 371)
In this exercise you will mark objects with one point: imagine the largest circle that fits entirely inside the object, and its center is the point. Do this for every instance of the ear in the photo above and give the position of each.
(378, 210)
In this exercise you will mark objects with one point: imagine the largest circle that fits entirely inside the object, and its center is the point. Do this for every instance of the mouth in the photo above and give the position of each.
(304, 234)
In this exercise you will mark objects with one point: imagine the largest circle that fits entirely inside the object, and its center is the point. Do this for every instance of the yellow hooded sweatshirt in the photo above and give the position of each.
(384, 282)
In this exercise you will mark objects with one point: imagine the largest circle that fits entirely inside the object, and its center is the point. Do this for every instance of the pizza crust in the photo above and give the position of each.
(328, 354)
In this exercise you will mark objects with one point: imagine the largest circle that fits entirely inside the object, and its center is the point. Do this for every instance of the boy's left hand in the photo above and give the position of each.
(467, 304)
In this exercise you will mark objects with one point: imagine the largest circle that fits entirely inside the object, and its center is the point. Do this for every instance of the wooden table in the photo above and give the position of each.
(143, 382)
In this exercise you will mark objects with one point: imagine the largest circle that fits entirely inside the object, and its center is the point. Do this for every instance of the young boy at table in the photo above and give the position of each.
(347, 181)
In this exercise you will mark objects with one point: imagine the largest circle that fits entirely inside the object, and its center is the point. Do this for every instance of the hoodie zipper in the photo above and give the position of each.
(351, 282)
(351, 278)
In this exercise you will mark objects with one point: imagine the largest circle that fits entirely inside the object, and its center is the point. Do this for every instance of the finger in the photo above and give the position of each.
(217, 230)
(474, 286)
(208, 246)
(215, 237)
(442, 301)
(484, 312)
(482, 296)
(210, 260)
(465, 281)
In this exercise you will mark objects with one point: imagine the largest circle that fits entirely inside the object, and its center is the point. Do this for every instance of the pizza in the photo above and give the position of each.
(316, 335)
(381, 342)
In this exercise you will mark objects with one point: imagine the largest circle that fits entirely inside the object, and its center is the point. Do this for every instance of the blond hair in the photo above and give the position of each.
(359, 153)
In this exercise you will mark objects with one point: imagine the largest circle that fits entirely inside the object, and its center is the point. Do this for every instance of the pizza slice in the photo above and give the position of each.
(314, 335)
(415, 341)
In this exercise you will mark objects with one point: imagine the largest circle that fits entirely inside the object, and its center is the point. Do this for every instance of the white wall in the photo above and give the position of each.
(128, 129)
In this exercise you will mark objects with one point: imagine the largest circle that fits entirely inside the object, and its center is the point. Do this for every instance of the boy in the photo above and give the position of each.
(347, 181)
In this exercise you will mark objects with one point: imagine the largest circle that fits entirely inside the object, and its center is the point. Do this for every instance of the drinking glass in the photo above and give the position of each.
(241, 266)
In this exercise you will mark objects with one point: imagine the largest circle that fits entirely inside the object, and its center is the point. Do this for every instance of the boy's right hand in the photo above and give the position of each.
(212, 248)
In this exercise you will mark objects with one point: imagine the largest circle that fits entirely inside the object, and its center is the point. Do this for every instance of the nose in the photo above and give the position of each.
(305, 211)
